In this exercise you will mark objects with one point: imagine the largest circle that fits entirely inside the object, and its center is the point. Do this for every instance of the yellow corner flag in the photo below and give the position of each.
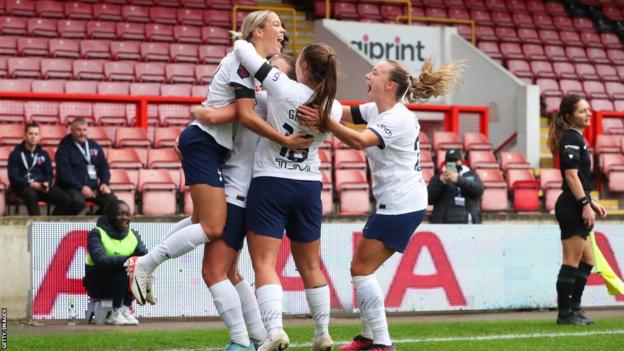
(615, 285)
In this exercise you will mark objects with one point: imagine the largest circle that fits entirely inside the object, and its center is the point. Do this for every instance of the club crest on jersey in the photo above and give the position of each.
(242, 72)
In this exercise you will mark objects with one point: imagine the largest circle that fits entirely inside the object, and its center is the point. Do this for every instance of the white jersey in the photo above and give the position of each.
(221, 93)
(238, 167)
(398, 184)
(273, 160)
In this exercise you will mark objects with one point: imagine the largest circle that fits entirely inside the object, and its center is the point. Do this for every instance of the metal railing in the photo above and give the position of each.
(291, 11)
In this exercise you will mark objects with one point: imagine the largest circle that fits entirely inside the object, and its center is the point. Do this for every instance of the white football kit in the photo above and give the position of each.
(398, 184)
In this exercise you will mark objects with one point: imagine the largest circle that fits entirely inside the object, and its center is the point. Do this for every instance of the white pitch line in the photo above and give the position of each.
(462, 338)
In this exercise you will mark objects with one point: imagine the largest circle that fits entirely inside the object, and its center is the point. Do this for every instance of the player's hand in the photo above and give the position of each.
(298, 141)
(589, 217)
(37, 186)
(600, 210)
(308, 116)
(104, 189)
(87, 192)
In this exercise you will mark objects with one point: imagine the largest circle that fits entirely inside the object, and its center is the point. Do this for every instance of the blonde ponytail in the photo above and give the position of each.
(252, 21)
(430, 83)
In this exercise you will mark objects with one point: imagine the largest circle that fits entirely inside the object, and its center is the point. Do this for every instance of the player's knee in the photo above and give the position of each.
(211, 276)
(234, 276)
(212, 231)
(358, 268)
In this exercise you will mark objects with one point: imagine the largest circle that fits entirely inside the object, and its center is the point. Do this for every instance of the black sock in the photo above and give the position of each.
(565, 285)
(580, 280)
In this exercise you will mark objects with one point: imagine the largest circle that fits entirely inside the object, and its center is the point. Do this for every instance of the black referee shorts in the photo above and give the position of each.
(570, 217)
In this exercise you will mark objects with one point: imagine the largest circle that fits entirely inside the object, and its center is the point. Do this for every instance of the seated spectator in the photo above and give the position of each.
(30, 174)
(456, 193)
(110, 244)
(82, 169)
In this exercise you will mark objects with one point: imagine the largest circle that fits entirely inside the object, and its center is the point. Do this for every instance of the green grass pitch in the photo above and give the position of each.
(530, 335)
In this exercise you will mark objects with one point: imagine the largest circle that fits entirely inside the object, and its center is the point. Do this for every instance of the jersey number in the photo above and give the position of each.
(290, 154)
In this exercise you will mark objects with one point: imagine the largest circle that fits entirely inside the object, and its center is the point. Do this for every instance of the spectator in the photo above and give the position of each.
(110, 244)
(82, 169)
(30, 174)
(456, 193)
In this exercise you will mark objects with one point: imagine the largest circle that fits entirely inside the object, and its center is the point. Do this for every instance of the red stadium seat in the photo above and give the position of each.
(543, 21)
(171, 114)
(555, 53)
(423, 141)
(520, 68)
(352, 188)
(542, 69)
(586, 71)
(12, 111)
(150, 72)
(595, 90)
(511, 51)
(615, 90)
(155, 52)
(482, 17)
(486, 33)
(42, 27)
(130, 31)
(601, 105)
(131, 137)
(612, 126)
(571, 87)
(78, 10)
(507, 34)
(503, 19)
(326, 159)
(74, 29)
(611, 41)
(436, 12)
(204, 73)
(608, 143)
(187, 34)
(217, 18)
(107, 12)
(8, 46)
(199, 90)
(15, 85)
(476, 141)
(211, 53)
(101, 30)
(123, 187)
(159, 32)
(49, 86)
(158, 192)
(68, 111)
(474, 4)
(389, 12)
(613, 167)
(529, 35)
(446, 141)
(12, 25)
(119, 70)
(3, 66)
(494, 197)
(525, 190)
(576, 54)
(219, 4)
(20, 7)
(125, 50)
(607, 73)
(563, 23)
(215, 35)
(523, 20)
(491, 49)
(570, 38)
(534, 52)
(99, 134)
(550, 182)
(345, 10)
(482, 159)
(349, 158)
(50, 9)
(42, 112)
(163, 158)
(183, 53)
(565, 70)
(79, 87)
(133, 13)
(426, 161)
(550, 37)
(24, 67)
(175, 90)
(163, 15)
(88, 69)
(52, 134)
(616, 56)
(495, 4)
(126, 158)
(145, 89)
(513, 160)
(548, 87)
(597, 55)
(114, 114)
(113, 88)
(591, 39)
(180, 73)
(64, 48)
(190, 17)
(583, 24)
(166, 136)
(95, 49)
(11, 134)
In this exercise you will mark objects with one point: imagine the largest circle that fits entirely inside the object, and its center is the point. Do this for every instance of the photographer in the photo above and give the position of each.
(456, 192)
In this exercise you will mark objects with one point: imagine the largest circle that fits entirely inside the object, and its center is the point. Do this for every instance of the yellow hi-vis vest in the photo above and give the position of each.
(114, 247)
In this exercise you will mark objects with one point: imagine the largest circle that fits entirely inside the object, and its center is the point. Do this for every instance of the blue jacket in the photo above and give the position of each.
(71, 165)
(41, 172)
(97, 252)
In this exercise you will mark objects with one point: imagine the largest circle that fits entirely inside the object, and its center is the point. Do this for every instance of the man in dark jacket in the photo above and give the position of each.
(456, 193)
(109, 245)
(82, 169)
(30, 174)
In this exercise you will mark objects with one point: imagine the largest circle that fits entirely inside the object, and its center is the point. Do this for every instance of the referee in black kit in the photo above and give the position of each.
(575, 211)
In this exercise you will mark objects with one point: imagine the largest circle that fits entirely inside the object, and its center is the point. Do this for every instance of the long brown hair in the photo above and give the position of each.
(562, 121)
(323, 71)
(429, 83)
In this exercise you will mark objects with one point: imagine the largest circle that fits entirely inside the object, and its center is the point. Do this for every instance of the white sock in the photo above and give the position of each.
(181, 224)
(177, 244)
(371, 303)
(270, 302)
(251, 311)
(230, 311)
(319, 303)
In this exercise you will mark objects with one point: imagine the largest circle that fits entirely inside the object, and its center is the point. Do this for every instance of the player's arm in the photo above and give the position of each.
(214, 116)
(359, 140)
